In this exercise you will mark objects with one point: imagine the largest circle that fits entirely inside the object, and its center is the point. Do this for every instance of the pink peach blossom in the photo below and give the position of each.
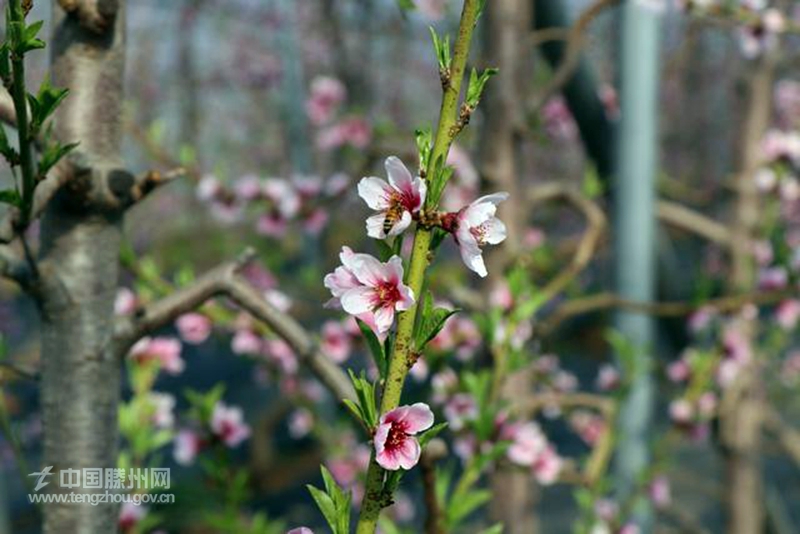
(227, 423)
(326, 95)
(126, 302)
(335, 341)
(659, 492)
(402, 196)
(246, 342)
(194, 328)
(165, 350)
(363, 285)
(460, 409)
(186, 447)
(787, 313)
(395, 444)
(476, 226)
(607, 377)
(528, 443)
(130, 514)
(547, 466)
(679, 370)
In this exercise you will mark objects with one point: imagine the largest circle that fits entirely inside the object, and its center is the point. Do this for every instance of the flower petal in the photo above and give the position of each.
(375, 192)
(358, 300)
(408, 453)
(399, 176)
(471, 253)
(368, 270)
(384, 318)
(375, 226)
(400, 226)
(381, 433)
(417, 418)
(494, 231)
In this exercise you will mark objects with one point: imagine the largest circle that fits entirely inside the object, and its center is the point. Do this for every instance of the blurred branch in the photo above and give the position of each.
(692, 221)
(604, 301)
(434, 451)
(95, 15)
(596, 224)
(788, 437)
(226, 281)
(575, 40)
(597, 463)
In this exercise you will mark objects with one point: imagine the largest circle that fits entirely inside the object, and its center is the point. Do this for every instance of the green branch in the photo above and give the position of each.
(374, 498)
(18, 92)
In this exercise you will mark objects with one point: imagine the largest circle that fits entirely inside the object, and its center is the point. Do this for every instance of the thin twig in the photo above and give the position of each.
(604, 301)
(680, 216)
(225, 281)
(596, 223)
(575, 41)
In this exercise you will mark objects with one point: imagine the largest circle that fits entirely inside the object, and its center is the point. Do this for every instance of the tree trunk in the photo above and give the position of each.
(742, 405)
(78, 261)
(507, 25)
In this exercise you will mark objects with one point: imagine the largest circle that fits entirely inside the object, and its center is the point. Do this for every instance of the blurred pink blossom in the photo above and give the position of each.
(194, 328)
(227, 423)
(165, 350)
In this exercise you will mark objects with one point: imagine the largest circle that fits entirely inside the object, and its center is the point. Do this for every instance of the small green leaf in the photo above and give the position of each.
(468, 503)
(10, 196)
(375, 347)
(406, 5)
(424, 138)
(325, 505)
(477, 83)
(432, 323)
(431, 433)
(385, 251)
(442, 49)
(497, 528)
(52, 155)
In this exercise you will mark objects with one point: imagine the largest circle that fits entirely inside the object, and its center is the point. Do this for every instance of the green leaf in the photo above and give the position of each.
(442, 49)
(10, 196)
(365, 392)
(392, 482)
(385, 251)
(44, 104)
(424, 138)
(52, 155)
(433, 320)
(431, 433)
(406, 5)
(460, 508)
(497, 528)
(441, 175)
(375, 347)
(325, 505)
(477, 83)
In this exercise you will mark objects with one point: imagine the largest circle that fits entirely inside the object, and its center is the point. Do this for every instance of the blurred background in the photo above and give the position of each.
(646, 294)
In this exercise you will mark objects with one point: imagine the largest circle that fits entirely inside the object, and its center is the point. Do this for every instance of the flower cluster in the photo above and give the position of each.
(372, 290)
(276, 202)
(326, 98)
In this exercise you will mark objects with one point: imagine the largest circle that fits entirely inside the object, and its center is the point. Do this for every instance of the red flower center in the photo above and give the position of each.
(387, 293)
(396, 438)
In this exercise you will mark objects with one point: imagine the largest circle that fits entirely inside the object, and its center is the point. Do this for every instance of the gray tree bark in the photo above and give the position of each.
(507, 24)
(78, 264)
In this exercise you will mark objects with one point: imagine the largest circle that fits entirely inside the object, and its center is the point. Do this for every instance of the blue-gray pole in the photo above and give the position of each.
(635, 233)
